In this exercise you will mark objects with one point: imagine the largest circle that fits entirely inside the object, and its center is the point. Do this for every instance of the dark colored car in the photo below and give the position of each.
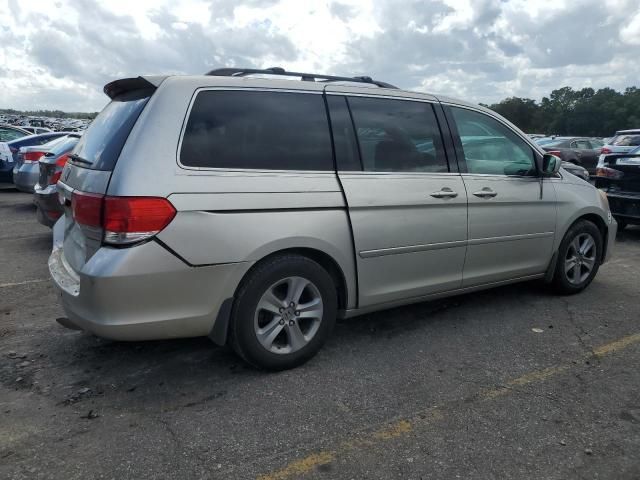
(579, 150)
(46, 192)
(619, 176)
(576, 170)
(7, 164)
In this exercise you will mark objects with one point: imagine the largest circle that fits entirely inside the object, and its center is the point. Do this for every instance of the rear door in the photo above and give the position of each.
(407, 203)
(511, 218)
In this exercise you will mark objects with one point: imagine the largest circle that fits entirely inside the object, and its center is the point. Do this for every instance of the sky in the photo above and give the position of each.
(58, 54)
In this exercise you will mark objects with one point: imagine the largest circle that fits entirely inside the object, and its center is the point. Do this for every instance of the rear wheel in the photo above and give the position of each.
(578, 258)
(283, 313)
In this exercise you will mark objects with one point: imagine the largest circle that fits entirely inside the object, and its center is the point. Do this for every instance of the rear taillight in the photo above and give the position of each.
(60, 163)
(557, 153)
(131, 219)
(86, 209)
(30, 157)
(607, 172)
(605, 151)
(123, 219)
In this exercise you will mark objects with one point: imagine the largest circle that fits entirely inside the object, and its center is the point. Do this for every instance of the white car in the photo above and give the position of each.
(622, 142)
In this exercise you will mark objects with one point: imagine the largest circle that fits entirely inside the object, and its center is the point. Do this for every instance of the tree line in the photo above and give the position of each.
(50, 113)
(566, 111)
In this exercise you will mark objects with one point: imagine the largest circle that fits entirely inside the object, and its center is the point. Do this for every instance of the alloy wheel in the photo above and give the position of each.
(288, 315)
(580, 258)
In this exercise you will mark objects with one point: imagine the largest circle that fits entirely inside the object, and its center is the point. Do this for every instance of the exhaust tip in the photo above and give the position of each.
(65, 322)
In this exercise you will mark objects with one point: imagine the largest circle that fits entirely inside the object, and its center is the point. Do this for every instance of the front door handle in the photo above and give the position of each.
(486, 192)
(445, 193)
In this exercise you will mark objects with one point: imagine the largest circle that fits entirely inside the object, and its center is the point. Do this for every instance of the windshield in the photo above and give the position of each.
(101, 144)
(553, 143)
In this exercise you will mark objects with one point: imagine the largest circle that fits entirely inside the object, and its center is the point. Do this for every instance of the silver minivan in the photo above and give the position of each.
(258, 209)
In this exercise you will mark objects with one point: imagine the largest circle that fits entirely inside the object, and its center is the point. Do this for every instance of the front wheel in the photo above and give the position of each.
(578, 258)
(283, 312)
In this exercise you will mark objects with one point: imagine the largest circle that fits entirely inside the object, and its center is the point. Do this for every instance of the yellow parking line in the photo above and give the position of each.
(617, 345)
(405, 426)
(300, 467)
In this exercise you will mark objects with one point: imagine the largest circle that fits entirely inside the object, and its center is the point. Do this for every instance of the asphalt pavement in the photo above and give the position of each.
(513, 382)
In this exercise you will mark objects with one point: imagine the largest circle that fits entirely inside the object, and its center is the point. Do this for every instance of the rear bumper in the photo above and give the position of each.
(143, 292)
(26, 177)
(626, 206)
(49, 208)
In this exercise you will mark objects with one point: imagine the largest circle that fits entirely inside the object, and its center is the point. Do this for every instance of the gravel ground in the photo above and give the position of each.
(459, 388)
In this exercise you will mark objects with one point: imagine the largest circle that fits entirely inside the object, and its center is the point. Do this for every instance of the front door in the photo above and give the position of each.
(408, 210)
(511, 218)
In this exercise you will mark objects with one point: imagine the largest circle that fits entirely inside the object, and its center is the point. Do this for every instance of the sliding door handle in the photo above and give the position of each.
(486, 192)
(445, 193)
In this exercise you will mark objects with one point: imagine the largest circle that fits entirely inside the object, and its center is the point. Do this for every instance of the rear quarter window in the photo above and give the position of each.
(257, 130)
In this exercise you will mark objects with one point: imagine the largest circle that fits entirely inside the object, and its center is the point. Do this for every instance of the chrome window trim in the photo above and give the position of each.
(258, 172)
(387, 97)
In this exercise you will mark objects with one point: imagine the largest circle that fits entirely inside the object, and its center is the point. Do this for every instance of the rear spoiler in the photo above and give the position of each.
(118, 87)
(612, 158)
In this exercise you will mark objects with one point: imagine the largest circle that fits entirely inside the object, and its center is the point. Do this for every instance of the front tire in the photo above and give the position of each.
(283, 312)
(578, 258)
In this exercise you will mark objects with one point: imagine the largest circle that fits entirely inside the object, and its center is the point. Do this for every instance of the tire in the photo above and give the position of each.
(586, 257)
(269, 335)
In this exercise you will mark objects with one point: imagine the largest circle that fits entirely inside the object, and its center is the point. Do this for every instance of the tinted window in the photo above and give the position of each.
(497, 151)
(398, 135)
(344, 139)
(257, 130)
(102, 142)
(626, 140)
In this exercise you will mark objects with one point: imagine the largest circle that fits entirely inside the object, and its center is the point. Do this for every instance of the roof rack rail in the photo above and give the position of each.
(309, 77)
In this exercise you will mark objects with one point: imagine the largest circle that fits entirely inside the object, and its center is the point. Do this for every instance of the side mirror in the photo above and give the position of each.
(550, 165)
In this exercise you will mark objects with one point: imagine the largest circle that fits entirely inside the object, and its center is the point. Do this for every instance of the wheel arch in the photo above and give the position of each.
(323, 259)
(598, 221)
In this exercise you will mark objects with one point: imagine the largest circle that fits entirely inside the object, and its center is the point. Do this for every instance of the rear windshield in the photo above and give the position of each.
(552, 143)
(101, 143)
(626, 140)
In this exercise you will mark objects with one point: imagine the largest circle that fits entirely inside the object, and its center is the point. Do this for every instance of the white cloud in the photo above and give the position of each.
(483, 50)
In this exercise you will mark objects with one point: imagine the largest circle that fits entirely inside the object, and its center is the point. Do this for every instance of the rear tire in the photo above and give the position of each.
(283, 313)
(578, 258)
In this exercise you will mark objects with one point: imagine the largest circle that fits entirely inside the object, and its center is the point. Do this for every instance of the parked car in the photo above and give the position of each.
(9, 132)
(186, 216)
(9, 152)
(37, 130)
(619, 177)
(578, 150)
(49, 209)
(576, 170)
(26, 170)
(622, 142)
